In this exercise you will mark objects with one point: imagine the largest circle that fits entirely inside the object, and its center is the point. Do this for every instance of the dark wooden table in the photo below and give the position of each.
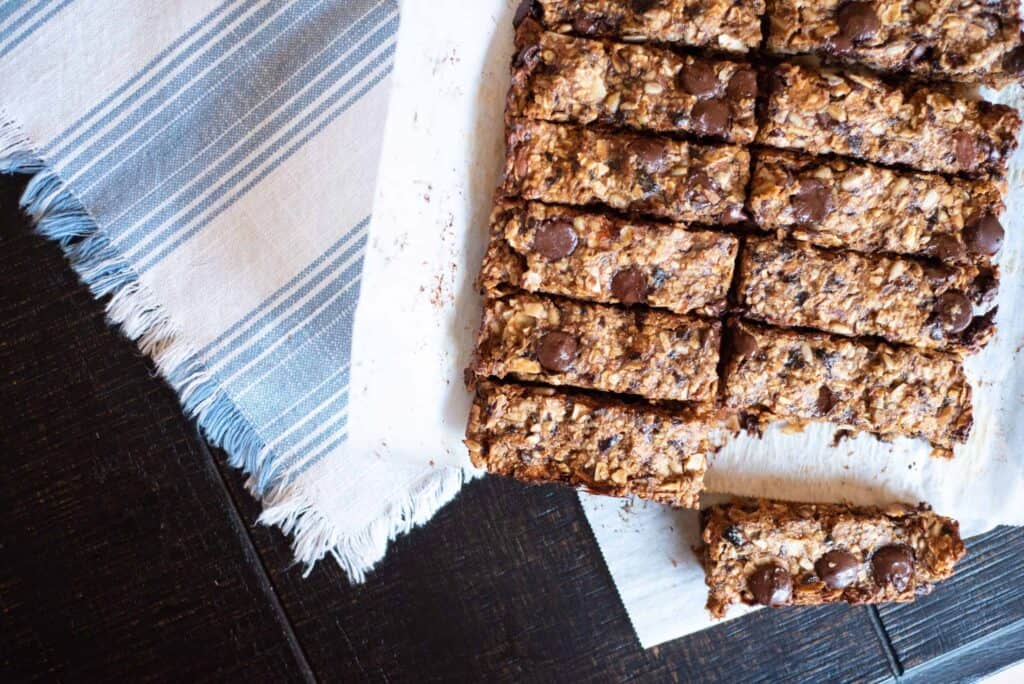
(129, 551)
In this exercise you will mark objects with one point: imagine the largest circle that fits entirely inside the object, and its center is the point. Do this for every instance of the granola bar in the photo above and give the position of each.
(898, 299)
(653, 354)
(561, 78)
(971, 41)
(825, 112)
(590, 256)
(607, 446)
(728, 25)
(838, 203)
(860, 385)
(775, 553)
(660, 177)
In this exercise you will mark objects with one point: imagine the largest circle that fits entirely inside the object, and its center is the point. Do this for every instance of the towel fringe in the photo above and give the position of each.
(61, 217)
(291, 509)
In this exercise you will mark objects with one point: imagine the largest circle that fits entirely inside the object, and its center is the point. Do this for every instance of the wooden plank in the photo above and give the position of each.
(975, 660)
(507, 584)
(983, 601)
(121, 555)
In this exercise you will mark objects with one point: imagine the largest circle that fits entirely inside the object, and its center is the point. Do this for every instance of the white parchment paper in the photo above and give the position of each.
(442, 159)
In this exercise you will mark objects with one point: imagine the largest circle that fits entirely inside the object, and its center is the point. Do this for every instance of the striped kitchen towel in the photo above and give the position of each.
(208, 167)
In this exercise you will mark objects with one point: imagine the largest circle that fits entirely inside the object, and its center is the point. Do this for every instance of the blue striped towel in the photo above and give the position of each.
(208, 168)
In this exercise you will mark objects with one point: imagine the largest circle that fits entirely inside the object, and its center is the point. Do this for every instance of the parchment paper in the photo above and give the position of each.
(442, 159)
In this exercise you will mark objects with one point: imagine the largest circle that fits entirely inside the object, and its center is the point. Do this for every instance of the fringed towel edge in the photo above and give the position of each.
(58, 215)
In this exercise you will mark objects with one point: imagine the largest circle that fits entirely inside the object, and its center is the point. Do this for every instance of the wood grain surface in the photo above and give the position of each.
(129, 551)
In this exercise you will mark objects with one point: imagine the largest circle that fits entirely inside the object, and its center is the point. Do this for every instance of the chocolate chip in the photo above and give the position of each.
(826, 401)
(750, 423)
(743, 84)
(771, 585)
(733, 535)
(1014, 61)
(945, 248)
(699, 180)
(984, 236)
(936, 274)
(840, 43)
(984, 289)
(556, 351)
(825, 120)
(527, 8)
(743, 343)
(528, 56)
(555, 239)
(699, 79)
(857, 21)
(711, 117)
(954, 311)
(837, 569)
(641, 6)
(650, 153)
(629, 286)
(812, 201)
(776, 83)
(966, 150)
(893, 565)
(593, 23)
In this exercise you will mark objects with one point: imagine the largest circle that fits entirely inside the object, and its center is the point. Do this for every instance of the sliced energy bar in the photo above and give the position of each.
(898, 299)
(728, 25)
(828, 112)
(971, 41)
(872, 387)
(561, 78)
(591, 256)
(653, 354)
(660, 177)
(838, 203)
(607, 446)
(774, 553)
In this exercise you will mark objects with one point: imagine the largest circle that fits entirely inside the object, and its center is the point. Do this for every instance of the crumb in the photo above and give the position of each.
(841, 435)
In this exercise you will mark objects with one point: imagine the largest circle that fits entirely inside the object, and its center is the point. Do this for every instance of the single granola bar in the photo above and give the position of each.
(661, 177)
(653, 354)
(859, 385)
(592, 256)
(607, 446)
(970, 41)
(895, 298)
(825, 112)
(774, 553)
(561, 78)
(838, 203)
(729, 25)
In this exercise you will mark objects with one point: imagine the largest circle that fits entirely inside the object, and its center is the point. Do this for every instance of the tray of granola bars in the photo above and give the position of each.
(757, 258)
